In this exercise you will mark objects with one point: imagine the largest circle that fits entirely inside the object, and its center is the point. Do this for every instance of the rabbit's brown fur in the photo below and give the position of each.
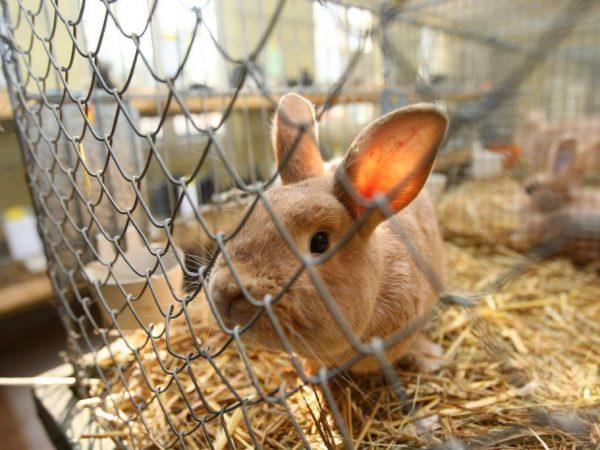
(372, 280)
(559, 208)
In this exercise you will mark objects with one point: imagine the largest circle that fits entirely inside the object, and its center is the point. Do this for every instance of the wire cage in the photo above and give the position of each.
(147, 129)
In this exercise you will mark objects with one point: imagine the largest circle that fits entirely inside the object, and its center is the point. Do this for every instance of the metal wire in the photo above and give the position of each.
(70, 218)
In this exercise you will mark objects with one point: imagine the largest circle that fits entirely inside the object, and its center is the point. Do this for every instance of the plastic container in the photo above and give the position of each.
(151, 300)
(190, 201)
(486, 164)
(436, 185)
(24, 243)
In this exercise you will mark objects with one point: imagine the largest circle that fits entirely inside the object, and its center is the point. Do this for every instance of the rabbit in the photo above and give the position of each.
(534, 136)
(372, 278)
(553, 188)
(559, 211)
(537, 135)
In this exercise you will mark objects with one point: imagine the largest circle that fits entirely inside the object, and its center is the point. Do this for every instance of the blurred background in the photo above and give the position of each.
(511, 73)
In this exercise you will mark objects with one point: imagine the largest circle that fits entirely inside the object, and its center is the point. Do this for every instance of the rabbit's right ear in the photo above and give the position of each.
(392, 156)
(295, 140)
(563, 156)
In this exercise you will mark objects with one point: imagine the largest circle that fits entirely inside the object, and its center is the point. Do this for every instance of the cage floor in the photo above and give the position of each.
(522, 370)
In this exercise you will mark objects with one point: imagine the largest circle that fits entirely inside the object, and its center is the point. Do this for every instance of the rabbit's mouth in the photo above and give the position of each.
(234, 308)
(237, 310)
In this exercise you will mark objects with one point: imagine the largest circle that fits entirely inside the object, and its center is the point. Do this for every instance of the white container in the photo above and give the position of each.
(24, 243)
(148, 306)
(190, 201)
(435, 185)
(485, 164)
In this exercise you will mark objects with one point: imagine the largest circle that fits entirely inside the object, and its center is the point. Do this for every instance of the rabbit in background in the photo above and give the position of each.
(538, 135)
(558, 209)
(372, 279)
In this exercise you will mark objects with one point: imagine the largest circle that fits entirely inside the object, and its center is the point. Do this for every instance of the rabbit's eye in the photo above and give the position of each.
(532, 188)
(319, 242)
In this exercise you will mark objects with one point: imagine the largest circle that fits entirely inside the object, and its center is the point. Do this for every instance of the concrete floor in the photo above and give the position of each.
(30, 343)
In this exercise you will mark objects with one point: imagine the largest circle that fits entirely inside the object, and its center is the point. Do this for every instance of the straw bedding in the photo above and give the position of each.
(522, 370)
(483, 211)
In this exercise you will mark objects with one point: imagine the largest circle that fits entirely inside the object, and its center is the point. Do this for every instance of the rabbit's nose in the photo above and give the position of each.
(225, 300)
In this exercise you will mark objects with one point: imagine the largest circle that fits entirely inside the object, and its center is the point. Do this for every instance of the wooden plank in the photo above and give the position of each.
(5, 107)
(150, 105)
(451, 159)
(25, 294)
(68, 426)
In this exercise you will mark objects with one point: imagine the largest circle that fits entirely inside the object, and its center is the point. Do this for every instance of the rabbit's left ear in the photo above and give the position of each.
(392, 156)
(295, 141)
(563, 156)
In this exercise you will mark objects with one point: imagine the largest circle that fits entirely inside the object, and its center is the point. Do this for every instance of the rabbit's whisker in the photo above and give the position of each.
(345, 375)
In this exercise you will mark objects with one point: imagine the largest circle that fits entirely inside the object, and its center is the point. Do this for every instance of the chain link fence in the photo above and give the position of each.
(215, 298)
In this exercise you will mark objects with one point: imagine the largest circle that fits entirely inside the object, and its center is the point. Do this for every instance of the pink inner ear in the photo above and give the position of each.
(381, 166)
(564, 156)
(305, 159)
(396, 160)
(393, 156)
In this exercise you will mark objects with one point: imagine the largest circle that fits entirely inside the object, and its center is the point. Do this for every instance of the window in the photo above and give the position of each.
(203, 121)
(173, 30)
(339, 32)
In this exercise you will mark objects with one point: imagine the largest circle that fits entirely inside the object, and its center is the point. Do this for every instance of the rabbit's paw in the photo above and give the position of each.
(427, 355)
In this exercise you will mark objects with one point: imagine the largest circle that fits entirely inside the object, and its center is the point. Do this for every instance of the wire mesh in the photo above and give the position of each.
(145, 133)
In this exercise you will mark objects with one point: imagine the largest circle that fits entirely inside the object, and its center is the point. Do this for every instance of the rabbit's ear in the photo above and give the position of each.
(563, 156)
(392, 156)
(295, 140)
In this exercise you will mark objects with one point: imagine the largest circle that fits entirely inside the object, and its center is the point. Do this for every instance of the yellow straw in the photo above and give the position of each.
(86, 177)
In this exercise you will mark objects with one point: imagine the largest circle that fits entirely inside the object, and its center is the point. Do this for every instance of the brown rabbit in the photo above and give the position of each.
(554, 187)
(538, 135)
(372, 278)
(558, 211)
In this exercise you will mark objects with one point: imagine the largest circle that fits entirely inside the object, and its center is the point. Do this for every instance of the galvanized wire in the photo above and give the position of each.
(67, 217)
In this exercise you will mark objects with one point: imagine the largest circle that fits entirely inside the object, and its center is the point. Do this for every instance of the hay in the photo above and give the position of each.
(520, 366)
(482, 211)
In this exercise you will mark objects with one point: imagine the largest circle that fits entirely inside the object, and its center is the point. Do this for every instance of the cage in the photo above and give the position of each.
(146, 129)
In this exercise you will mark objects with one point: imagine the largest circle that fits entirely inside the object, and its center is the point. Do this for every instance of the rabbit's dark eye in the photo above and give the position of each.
(531, 188)
(319, 242)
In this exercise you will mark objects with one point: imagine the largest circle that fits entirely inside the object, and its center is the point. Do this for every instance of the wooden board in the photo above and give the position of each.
(5, 107)
(68, 426)
(451, 159)
(153, 105)
(25, 294)
(148, 104)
